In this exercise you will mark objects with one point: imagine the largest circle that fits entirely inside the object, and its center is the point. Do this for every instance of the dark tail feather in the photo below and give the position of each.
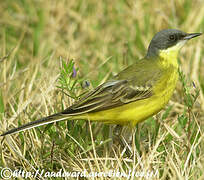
(40, 122)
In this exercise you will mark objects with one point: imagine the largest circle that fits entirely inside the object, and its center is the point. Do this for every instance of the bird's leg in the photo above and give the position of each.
(114, 133)
(122, 135)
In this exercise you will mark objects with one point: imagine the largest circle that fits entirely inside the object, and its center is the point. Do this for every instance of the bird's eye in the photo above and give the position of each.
(172, 37)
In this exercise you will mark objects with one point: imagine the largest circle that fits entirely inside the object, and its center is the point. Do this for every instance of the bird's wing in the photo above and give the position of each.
(117, 92)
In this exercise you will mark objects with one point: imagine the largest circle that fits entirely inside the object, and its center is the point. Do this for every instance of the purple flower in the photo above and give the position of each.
(74, 74)
(85, 84)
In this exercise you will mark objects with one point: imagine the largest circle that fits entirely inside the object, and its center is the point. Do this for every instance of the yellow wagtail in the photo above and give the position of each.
(136, 93)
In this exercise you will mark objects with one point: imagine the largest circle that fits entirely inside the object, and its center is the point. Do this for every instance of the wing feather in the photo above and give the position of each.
(108, 95)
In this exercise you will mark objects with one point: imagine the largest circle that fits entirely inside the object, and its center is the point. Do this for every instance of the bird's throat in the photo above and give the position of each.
(168, 59)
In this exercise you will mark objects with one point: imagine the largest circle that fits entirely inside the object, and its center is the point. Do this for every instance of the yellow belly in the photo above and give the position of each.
(132, 113)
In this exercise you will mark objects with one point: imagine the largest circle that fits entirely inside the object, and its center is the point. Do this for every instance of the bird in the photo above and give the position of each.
(139, 91)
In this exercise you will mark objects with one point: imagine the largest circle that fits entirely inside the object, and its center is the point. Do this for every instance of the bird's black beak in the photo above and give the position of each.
(191, 35)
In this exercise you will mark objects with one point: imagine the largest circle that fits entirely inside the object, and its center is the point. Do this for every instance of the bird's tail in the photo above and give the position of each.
(40, 122)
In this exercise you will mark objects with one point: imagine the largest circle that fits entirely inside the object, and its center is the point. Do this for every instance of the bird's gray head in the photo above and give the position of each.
(168, 39)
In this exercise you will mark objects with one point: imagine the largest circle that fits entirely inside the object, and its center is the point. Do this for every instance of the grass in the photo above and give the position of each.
(102, 38)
